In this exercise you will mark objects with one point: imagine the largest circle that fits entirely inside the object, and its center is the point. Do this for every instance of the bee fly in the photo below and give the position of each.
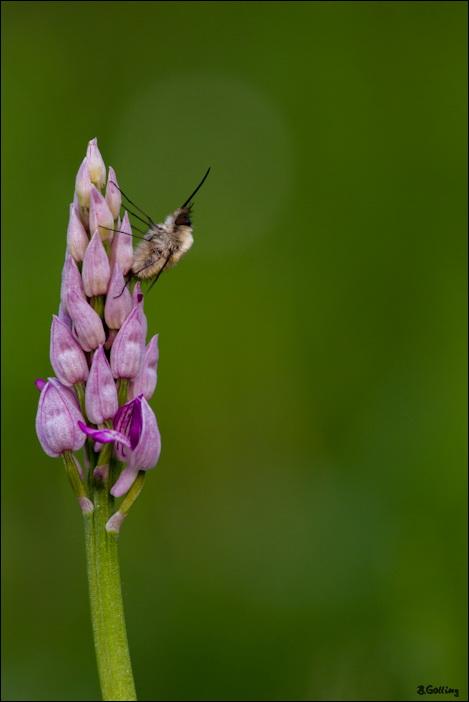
(163, 245)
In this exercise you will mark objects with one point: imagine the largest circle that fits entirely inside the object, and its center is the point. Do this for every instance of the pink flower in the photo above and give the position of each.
(113, 194)
(57, 419)
(127, 348)
(66, 355)
(96, 167)
(145, 382)
(96, 271)
(138, 441)
(101, 392)
(86, 322)
(100, 215)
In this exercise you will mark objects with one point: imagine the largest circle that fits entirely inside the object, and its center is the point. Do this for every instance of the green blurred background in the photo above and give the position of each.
(303, 536)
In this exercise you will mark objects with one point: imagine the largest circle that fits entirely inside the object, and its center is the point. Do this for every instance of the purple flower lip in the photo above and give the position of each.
(137, 421)
(104, 436)
(39, 383)
(137, 438)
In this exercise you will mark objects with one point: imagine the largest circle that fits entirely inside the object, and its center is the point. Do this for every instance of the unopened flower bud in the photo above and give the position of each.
(128, 346)
(137, 301)
(110, 338)
(118, 301)
(113, 194)
(64, 317)
(97, 169)
(96, 270)
(66, 355)
(121, 247)
(100, 215)
(82, 212)
(78, 465)
(87, 323)
(86, 505)
(101, 392)
(145, 382)
(83, 184)
(57, 420)
(77, 238)
(71, 280)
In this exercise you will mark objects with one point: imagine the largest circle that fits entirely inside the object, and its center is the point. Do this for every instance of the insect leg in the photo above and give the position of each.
(133, 275)
(160, 272)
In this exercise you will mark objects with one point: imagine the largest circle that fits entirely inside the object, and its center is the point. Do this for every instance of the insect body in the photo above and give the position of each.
(163, 245)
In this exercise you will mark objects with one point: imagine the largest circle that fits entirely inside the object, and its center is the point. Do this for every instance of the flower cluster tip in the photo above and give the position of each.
(98, 347)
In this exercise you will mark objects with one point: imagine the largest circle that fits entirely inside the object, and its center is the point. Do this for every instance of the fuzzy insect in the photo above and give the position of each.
(163, 245)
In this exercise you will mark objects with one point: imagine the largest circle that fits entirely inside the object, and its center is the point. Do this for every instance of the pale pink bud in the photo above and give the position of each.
(57, 420)
(64, 317)
(97, 169)
(96, 271)
(121, 247)
(79, 468)
(66, 355)
(100, 215)
(145, 382)
(87, 323)
(137, 301)
(86, 505)
(114, 524)
(113, 194)
(77, 238)
(82, 212)
(110, 338)
(101, 393)
(71, 280)
(83, 184)
(128, 346)
(118, 301)
(137, 295)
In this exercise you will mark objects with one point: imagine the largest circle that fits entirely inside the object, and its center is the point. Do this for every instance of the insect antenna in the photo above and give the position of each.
(142, 220)
(149, 219)
(196, 190)
(136, 236)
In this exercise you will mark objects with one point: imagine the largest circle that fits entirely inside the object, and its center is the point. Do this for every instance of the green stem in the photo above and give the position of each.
(107, 611)
(123, 391)
(97, 303)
